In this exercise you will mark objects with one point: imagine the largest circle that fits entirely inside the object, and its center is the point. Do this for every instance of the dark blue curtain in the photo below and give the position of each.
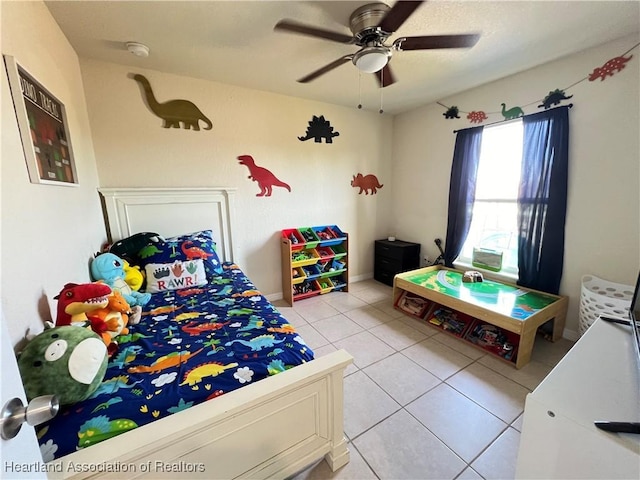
(542, 199)
(462, 190)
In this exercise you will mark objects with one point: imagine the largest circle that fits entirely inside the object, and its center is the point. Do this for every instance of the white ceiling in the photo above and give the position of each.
(234, 42)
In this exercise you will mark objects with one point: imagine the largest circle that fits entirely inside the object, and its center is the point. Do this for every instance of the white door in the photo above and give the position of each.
(21, 453)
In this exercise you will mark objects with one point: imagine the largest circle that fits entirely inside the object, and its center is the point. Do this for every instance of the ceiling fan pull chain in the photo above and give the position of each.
(381, 89)
(359, 89)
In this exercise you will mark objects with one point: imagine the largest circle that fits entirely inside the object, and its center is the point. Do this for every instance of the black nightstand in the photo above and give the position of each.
(394, 257)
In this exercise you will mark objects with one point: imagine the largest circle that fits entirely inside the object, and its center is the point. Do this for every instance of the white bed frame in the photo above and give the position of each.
(273, 428)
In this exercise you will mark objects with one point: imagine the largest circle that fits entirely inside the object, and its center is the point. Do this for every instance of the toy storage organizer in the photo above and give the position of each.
(314, 261)
(601, 297)
(496, 340)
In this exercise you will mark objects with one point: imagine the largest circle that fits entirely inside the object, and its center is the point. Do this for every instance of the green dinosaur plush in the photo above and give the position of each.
(68, 361)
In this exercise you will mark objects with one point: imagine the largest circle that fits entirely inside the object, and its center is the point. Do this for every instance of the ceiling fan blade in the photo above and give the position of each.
(385, 77)
(398, 15)
(295, 27)
(326, 68)
(429, 42)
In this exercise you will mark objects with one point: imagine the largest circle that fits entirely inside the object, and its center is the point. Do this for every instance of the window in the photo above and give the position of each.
(495, 209)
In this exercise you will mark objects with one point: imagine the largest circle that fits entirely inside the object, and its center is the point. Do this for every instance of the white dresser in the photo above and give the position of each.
(599, 379)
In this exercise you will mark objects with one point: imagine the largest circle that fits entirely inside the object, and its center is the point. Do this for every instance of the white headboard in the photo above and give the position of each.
(170, 212)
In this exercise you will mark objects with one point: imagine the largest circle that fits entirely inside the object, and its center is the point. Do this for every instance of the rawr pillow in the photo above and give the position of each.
(183, 248)
(164, 276)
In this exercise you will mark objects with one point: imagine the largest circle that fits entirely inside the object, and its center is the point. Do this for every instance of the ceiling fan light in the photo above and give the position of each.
(371, 59)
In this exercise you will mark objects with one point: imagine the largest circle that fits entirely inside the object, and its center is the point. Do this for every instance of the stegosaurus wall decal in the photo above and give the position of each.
(318, 129)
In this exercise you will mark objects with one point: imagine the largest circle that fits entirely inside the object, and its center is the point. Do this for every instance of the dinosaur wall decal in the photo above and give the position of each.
(173, 112)
(366, 183)
(266, 180)
(318, 129)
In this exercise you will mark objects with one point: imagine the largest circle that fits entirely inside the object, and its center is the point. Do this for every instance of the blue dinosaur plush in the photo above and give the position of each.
(109, 268)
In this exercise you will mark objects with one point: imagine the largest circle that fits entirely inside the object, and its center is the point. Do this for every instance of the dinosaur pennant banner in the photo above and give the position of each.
(608, 69)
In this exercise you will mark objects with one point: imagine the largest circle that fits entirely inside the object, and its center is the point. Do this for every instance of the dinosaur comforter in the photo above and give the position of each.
(192, 345)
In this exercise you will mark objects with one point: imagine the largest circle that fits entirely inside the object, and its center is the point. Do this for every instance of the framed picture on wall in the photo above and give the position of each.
(44, 131)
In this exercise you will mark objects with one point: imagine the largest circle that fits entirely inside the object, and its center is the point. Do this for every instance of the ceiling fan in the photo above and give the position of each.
(372, 25)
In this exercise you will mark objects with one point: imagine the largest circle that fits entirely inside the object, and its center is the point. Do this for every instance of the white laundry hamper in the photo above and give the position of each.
(601, 297)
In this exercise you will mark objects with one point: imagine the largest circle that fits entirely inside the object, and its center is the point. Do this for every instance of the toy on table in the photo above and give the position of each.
(472, 276)
(109, 268)
(67, 361)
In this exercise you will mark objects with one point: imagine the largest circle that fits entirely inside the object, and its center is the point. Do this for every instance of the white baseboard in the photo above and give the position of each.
(570, 335)
(360, 278)
(272, 297)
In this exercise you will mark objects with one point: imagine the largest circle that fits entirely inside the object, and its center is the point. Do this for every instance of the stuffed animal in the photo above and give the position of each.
(115, 315)
(109, 268)
(68, 361)
(75, 300)
(133, 276)
(77, 304)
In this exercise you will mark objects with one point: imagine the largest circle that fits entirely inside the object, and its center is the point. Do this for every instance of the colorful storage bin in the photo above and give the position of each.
(294, 236)
(310, 238)
(300, 258)
(329, 235)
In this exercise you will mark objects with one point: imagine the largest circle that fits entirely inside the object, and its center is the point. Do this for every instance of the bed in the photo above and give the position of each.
(273, 409)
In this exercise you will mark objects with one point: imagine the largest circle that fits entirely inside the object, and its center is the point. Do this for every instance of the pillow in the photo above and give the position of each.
(128, 248)
(162, 277)
(183, 248)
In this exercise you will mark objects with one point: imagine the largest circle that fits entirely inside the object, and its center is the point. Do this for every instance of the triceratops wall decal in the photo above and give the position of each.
(366, 183)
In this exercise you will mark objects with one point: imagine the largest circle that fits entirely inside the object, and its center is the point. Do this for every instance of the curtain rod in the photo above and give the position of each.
(570, 105)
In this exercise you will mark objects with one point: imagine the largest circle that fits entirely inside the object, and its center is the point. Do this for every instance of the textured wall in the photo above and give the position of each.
(132, 149)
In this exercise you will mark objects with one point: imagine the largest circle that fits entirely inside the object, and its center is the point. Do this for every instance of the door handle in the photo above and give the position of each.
(38, 411)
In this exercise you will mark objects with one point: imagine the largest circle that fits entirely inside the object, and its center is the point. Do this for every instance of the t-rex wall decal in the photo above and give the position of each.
(173, 112)
(266, 180)
(318, 129)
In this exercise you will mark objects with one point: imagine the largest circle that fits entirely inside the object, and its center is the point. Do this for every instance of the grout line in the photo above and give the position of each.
(508, 425)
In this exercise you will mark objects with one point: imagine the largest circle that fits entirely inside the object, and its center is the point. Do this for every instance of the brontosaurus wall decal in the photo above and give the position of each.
(266, 180)
(173, 112)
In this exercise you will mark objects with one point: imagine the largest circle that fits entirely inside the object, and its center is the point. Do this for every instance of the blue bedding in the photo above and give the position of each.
(192, 345)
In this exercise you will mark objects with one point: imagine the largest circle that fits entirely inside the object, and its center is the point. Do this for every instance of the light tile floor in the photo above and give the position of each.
(419, 404)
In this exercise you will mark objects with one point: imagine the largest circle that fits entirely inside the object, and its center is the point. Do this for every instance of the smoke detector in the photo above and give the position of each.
(138, 49)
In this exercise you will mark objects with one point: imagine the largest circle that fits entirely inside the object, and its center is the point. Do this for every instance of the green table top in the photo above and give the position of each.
(491, 295)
